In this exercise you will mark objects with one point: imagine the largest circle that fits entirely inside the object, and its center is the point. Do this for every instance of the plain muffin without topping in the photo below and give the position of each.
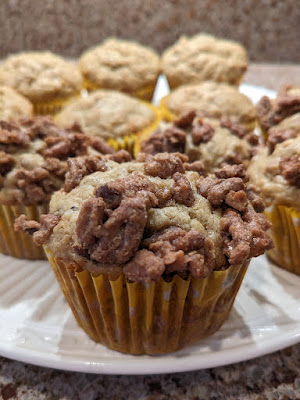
(204, 57)
(121, 65)
(46, 79)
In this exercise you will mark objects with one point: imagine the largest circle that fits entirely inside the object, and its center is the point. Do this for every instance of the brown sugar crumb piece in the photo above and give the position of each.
(201, 132)
(170, 140)
(40, 231)
(144, 266)
(164, 165)
(34, 186)
(12, 138)
(41, 127)
(100, 145)
(56, 167)
(244, 235)
(63, 147)
(230, 191)
(196, 166)
(6, 163)
(80, 167)
(289, 168)
(254, 198)
(183, 251)
(182, 190)
(270, 113)
(120, 156)
(237, 129)
(117, 239)
(232, 171)
(134, 185)
(185, 119)
(276, 136)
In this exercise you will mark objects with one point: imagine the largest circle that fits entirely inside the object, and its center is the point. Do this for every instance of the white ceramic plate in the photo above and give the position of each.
(37, 326)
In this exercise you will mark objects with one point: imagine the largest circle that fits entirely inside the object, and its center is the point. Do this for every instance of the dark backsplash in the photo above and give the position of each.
(269, 29)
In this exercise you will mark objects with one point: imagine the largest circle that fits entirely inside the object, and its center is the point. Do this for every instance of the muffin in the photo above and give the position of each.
(34, 158)
(121, 65)
(203, 57)
(150, 255)
(114, 116)
(208, 141)
(281, 113)
(46, 79)
(210, 99)
(276, 171)
(13, 105)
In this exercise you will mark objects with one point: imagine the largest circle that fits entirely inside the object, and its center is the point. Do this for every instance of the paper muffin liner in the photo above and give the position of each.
(145, 93)
(285, 232)
(19, 244)
(147, 318)
(52, 107)
(127, 142)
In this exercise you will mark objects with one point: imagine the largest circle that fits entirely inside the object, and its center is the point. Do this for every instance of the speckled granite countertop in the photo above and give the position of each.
(272, 377)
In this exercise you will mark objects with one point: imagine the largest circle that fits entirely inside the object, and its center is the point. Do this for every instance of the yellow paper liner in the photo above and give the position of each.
(53, 106)
(145, 93)
(169, 116)
(147, 318)
(19, 244)
(285, 232)
(127, 142)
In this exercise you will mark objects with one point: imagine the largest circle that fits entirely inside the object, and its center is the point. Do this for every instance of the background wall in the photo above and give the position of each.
(270, 29)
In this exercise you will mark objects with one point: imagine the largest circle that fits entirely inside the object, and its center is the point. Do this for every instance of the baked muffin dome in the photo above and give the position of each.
(121, 65)
(210, 99)
(209, 141)
(112, 116)
(204, 57)
(42, 77)
(13, 105)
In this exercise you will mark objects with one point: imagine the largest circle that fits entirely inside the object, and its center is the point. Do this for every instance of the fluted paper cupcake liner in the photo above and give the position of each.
(285, 232)
(147, 318)
(52, 107)
(145, 93)
(18, 244)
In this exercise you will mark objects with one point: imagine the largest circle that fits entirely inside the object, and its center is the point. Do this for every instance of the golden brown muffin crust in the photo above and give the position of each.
(13, 105)
(203, 57)
(108, 114)
(121, 65)
(40, 76)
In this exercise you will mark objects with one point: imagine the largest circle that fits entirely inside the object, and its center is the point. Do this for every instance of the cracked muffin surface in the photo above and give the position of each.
(204, 57)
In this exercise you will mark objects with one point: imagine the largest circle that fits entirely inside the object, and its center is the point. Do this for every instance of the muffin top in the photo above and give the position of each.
(204, 57)
(108, 114)
(37, 158)
(213, 142)
(13, 105)
(272, 112)
(277, 173)
(212, 99)
(120, 64)
(40, 76)
(155, 218)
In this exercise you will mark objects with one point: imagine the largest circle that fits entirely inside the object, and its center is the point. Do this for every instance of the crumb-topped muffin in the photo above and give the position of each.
(204, 57)
(13, 105)
(46, 79)
(113, 116)
(280, 114)
(211, 99)
(152, 248)
(121, 65)
(35, 156)
(276, 171)
(209, 142)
